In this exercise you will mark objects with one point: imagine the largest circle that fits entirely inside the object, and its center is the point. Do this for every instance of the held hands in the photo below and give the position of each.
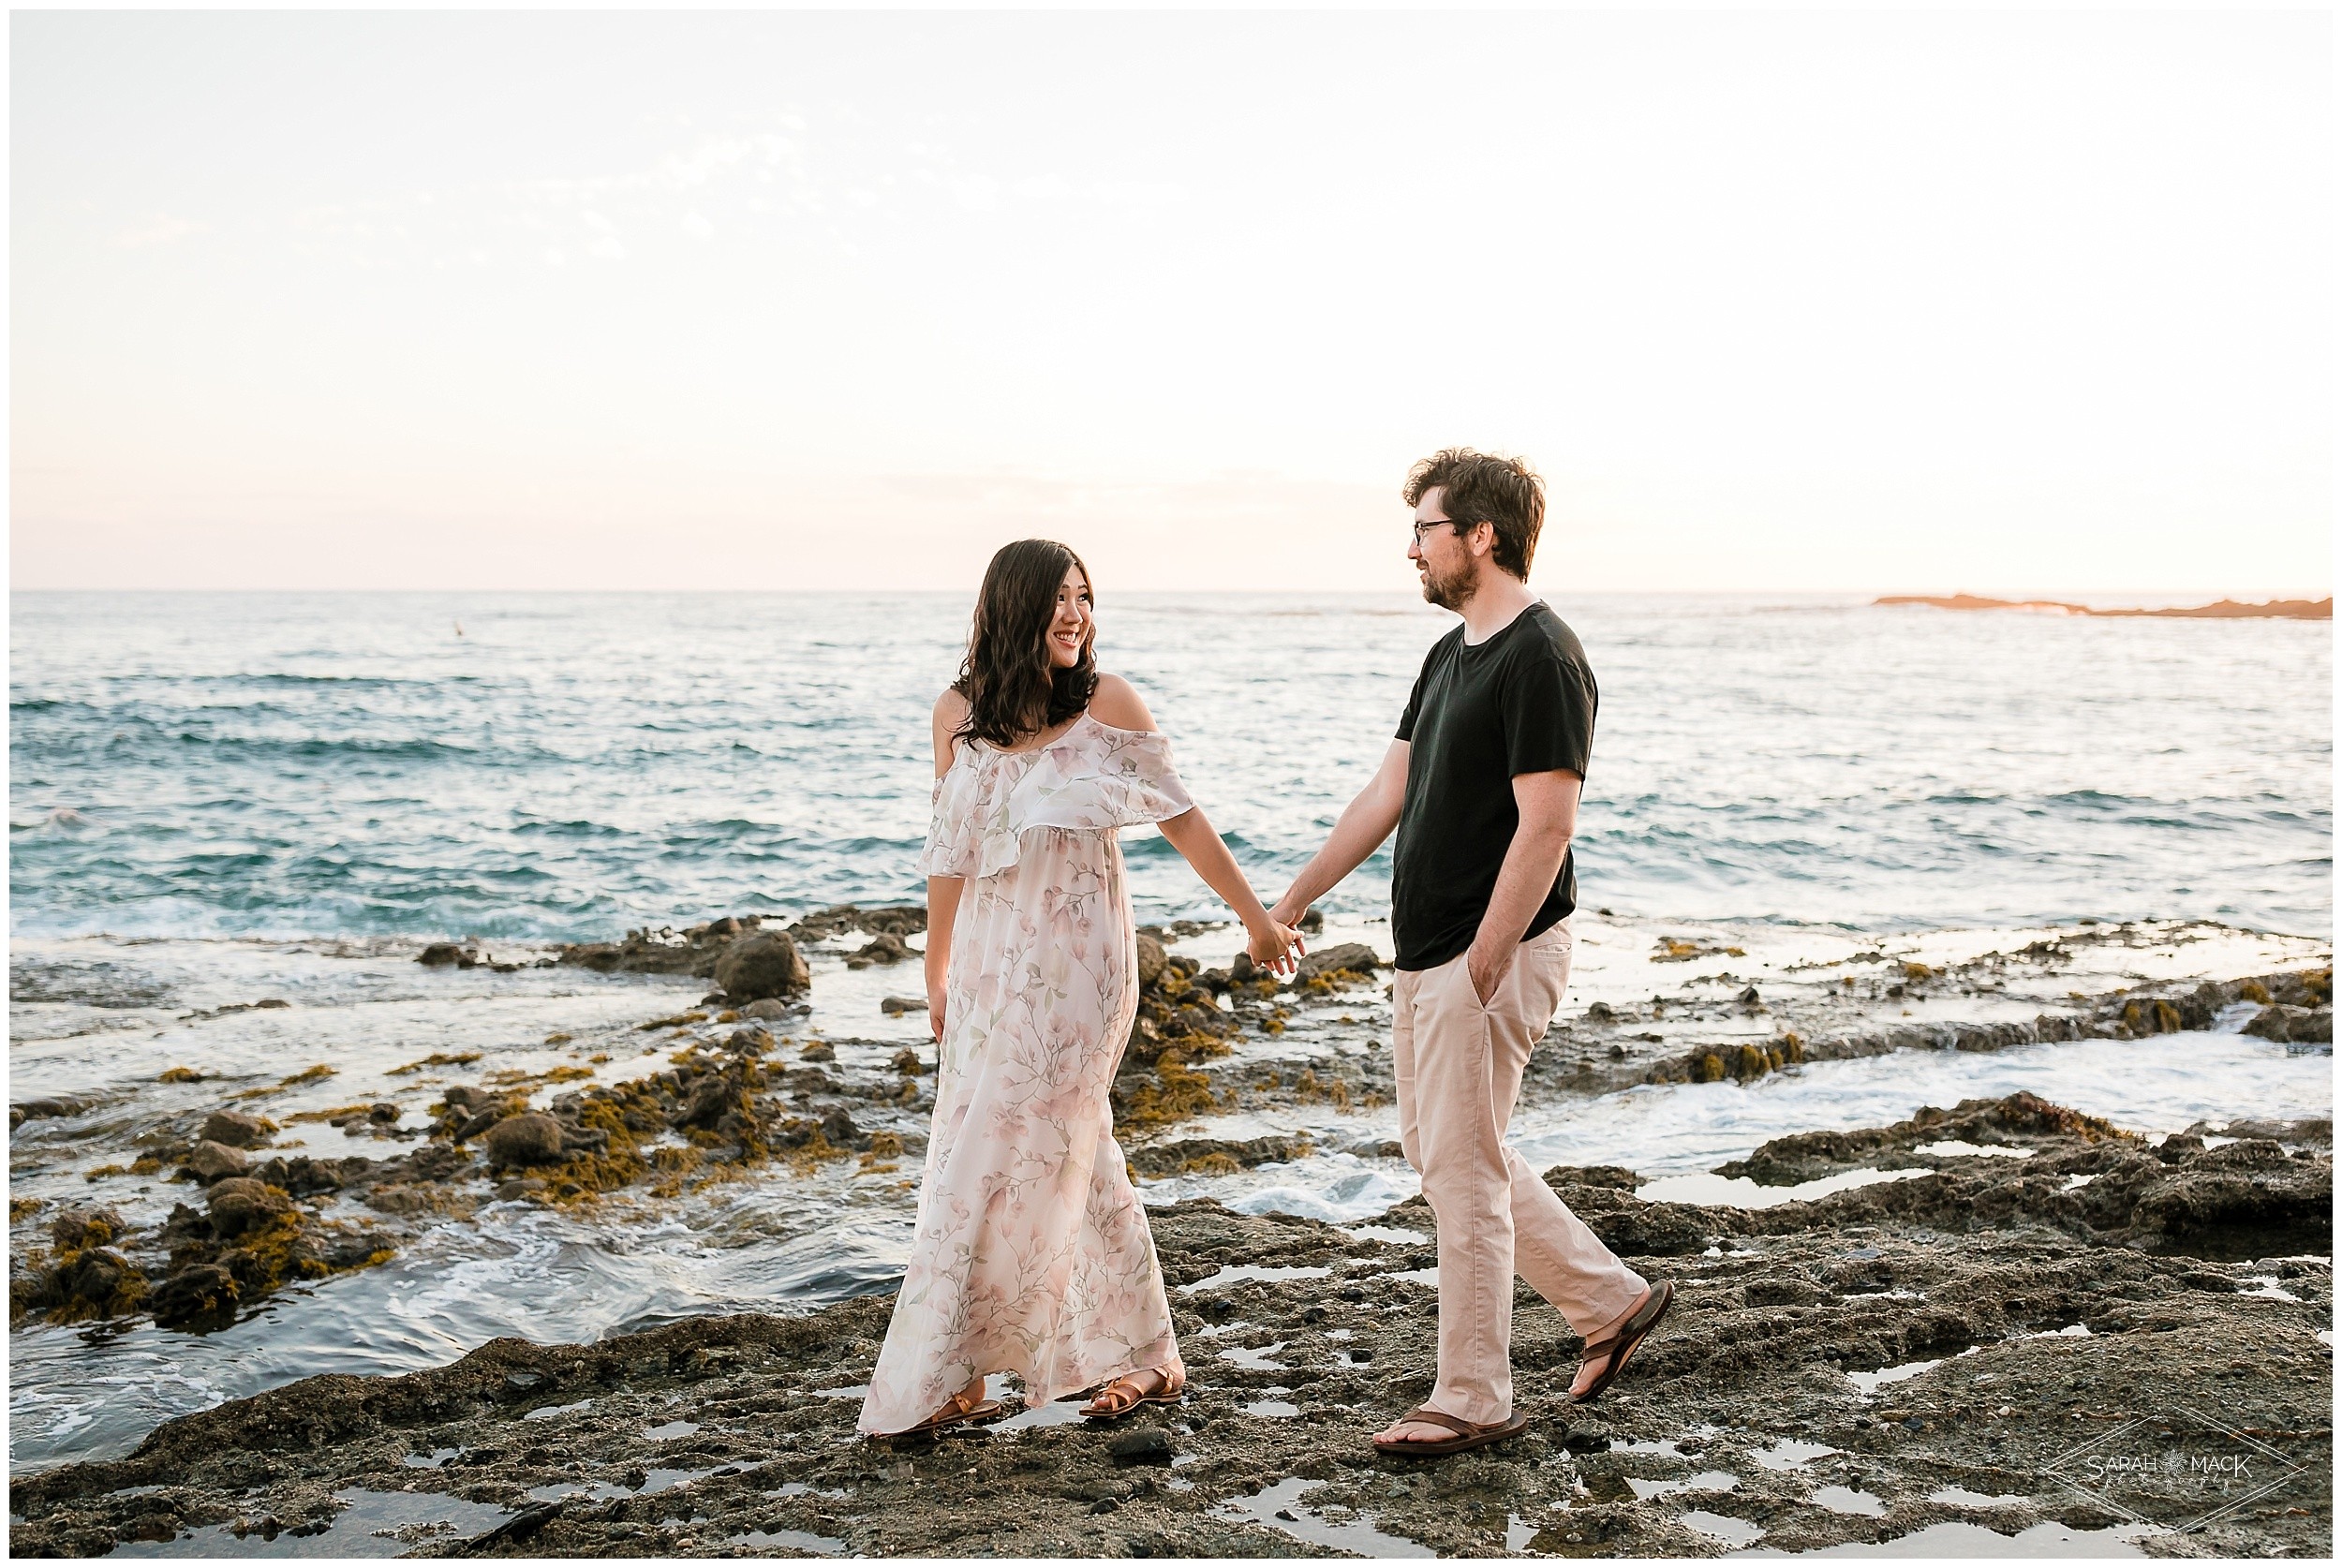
(1272, 946)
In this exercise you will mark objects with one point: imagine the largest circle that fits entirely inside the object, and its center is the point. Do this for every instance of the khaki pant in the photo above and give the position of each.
(1458, 1065)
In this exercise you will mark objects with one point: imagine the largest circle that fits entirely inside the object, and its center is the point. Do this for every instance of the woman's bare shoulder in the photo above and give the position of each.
(1116, 702)
(951, 709)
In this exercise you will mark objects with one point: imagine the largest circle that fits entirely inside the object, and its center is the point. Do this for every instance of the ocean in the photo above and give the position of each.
(219, 799)
(564, 766)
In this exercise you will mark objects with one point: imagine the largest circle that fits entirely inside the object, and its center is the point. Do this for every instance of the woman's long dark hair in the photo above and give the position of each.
(1013, 688)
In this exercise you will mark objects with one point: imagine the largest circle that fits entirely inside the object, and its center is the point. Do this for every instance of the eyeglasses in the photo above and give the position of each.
(1462, 529)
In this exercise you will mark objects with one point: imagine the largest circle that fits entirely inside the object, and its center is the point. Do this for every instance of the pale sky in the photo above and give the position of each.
(1995, 301)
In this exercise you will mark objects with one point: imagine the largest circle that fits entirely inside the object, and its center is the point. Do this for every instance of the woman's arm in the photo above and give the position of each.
(1117, 703)
(951, 712)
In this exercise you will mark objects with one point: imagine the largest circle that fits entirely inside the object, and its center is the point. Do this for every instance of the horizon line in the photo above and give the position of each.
(2014, 595)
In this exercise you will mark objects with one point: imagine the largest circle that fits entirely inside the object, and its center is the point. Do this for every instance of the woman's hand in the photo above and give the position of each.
(1271, 945)
(935, 1008)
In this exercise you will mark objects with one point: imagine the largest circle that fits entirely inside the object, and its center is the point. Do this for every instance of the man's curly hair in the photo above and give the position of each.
(1480, 487)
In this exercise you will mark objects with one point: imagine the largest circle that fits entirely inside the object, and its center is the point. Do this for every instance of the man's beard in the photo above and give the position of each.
(1452, 592)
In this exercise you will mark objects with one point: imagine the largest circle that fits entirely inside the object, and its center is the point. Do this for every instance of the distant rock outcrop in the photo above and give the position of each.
(2222, 610)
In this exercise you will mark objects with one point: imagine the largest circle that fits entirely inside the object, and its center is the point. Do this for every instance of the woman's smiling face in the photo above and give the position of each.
(1070, 628)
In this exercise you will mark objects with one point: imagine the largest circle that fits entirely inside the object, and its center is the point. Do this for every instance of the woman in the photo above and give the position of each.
(1033, 1255)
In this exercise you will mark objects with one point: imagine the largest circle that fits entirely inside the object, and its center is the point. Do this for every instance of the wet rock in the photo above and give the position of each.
(896, 1006)
(92, 1283)
(819, 1051)
(770, 1010)
(1345, 962)
(1142, 1445)
(445, 956)
(532, 1138)
(303, 1174)
(50, 1105)
(211, 1160)
(1214, 1156)
(884, 948)
(839, 1128)
(85, 1225)
(237, 1129)
(892, 920)
(1601, 1013)
(716, 1096)
(1151, 958)
(194, 1293)
(907, 1062)
(764, 965)
(2283, 1023)
(239, 1204)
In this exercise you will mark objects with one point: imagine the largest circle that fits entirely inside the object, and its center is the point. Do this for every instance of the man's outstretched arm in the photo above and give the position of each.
(1364, 822)
(1548, 803)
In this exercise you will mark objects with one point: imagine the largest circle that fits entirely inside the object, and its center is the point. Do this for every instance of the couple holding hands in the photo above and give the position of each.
(1032, 1253)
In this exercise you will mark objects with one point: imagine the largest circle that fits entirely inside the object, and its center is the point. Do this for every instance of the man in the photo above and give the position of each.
(1482, 785)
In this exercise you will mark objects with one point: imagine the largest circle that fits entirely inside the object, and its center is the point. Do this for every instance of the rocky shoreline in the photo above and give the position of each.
(1930, 1351)
(742, 1091)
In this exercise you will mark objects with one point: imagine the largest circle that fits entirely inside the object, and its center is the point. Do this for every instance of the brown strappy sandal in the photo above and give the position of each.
(957, 1410)
(1171, 1393)
(1467, 1435)
(1621, 1345)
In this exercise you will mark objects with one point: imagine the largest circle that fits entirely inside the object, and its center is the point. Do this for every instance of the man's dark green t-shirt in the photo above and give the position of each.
(1522, 701)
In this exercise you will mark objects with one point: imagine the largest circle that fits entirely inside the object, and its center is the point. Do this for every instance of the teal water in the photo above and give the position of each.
(348, 765)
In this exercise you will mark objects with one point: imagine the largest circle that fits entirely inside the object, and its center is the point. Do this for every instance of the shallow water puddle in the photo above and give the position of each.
(1706, 1481)
(2076, 1183)
(2269, 1288)
(1948, 1147)
(1709, 1190)
(1278, 1508)
(1258, 1360)
(1057, 1413)
(374, 1524)
(797, 1540)
(602, 1491)
(2048, 1539)
(1789, 1452)
(1845, 1500)
(1236, 1274)
(1724, 1527)
(1870, 1382)
(1274, 1408)
(1960, 1497)
(1392, 1234)
(552, 1413)
(671, 1430)
(432, 1460)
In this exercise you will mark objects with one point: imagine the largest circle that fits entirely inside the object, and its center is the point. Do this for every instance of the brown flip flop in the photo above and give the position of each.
(1467, 1435)
(1619, 1346)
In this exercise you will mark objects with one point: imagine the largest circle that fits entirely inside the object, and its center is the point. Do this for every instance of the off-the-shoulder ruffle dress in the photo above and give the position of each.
(1033, 1255)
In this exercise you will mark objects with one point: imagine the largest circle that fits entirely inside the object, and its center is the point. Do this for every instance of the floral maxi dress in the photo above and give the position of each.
(1033, 1255)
